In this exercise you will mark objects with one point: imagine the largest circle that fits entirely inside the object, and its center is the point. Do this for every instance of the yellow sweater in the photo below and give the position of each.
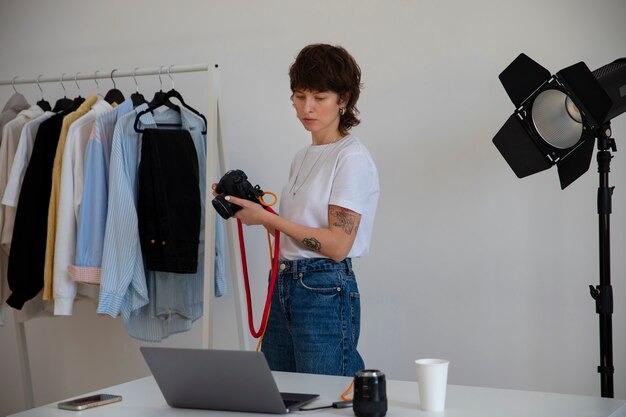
(54, 194)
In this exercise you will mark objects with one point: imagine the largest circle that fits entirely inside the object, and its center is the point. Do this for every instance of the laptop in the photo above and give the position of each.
(227, 380)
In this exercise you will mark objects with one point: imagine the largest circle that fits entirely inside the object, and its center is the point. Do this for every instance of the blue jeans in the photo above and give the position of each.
(315, 319)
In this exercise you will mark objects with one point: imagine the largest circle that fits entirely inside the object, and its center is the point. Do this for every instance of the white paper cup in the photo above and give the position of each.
(432, 380)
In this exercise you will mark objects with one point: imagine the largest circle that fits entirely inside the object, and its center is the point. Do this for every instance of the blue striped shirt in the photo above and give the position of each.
(92, 215)
(153, 304)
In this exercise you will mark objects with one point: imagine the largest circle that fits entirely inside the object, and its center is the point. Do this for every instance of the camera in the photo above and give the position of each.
(370, 393)
(234, 182)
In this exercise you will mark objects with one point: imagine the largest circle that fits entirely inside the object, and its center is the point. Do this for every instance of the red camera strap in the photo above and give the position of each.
(270, 290)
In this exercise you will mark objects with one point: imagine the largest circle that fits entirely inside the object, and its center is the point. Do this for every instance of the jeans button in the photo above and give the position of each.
(283, 267)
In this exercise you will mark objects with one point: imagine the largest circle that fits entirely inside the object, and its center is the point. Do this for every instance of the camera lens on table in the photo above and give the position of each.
(370, 393)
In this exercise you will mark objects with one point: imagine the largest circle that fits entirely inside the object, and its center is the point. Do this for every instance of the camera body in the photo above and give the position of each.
(234, 182)
(370, 393)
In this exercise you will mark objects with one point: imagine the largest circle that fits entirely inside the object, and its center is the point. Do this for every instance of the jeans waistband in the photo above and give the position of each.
(313, 264)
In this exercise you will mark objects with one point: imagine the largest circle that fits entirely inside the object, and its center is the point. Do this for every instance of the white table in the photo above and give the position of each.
(143, 398)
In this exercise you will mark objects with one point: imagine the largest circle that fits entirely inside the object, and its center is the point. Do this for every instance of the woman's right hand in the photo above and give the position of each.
(251, 213)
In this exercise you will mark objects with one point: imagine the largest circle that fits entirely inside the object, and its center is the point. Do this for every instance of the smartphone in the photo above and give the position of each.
(83, 403)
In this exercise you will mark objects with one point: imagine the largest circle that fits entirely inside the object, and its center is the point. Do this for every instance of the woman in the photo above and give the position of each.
(326, 216)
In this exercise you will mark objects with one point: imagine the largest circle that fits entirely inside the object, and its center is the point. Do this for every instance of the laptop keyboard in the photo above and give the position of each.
(296, 400)
(290, 403)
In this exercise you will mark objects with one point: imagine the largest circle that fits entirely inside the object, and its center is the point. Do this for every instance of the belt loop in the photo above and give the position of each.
(348, 262)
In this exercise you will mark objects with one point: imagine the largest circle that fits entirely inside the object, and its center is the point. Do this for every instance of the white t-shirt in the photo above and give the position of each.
(342, 174)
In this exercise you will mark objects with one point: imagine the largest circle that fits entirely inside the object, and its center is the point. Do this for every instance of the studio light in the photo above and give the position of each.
(557, 120)
(557, 117)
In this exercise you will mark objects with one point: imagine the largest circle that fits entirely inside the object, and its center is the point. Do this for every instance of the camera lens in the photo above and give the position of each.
(370, 393)
(223, 207)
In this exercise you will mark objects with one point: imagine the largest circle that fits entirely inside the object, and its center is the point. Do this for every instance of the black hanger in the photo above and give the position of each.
(66, 105)
(114, 95)
(162, 99)
(137, 98)
(62, 103)
(43, 104)
(159, 100)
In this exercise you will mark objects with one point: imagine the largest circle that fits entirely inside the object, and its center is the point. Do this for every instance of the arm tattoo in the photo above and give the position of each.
(312, 244)
(344, 219)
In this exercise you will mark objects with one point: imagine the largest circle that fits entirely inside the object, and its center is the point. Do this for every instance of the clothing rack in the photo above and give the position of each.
(138, 72)
(217, 152)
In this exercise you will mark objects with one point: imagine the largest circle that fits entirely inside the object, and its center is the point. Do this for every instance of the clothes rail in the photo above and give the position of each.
(99, 75)
(216, 157)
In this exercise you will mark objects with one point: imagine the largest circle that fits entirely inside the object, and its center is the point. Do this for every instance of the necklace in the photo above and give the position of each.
(294, 189)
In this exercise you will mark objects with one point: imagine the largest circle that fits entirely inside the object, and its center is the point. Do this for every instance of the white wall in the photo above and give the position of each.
(467, 261)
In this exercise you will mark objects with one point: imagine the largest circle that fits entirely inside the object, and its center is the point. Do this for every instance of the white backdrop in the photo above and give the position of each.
(467, 261)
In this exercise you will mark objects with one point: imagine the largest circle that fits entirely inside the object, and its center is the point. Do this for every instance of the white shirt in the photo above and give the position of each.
(24, 125)
(11, 134)
(70, 196)
(21, 159)
(342, 174)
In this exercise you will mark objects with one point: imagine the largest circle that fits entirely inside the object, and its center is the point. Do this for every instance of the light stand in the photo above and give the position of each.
(603, 293)
(556, 120)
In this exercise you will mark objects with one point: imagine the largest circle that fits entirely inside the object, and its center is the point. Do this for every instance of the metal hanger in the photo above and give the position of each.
(76, 81)
(64, 102)
(45, 106)
(78, 100)
(63, 85)
(137, 97)
(95, 80)
(114, 95)
(170, 75)
(135, 80)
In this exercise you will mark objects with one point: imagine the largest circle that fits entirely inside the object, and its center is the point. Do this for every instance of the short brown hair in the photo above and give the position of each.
(322, 67)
